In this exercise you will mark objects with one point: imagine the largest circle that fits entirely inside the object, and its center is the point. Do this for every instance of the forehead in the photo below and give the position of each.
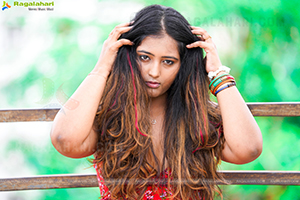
(161, 45)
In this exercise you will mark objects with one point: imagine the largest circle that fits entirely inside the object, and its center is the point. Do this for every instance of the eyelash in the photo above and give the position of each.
(146, 58)
(169, 62)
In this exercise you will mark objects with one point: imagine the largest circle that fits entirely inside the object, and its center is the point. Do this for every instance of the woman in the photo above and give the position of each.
(145, 112)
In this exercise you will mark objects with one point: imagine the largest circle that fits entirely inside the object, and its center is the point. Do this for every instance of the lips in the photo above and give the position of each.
(152, 84)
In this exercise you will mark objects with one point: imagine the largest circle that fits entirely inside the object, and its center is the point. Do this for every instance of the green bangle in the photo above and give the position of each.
(220, 80)
(212, 82)
(217, 82)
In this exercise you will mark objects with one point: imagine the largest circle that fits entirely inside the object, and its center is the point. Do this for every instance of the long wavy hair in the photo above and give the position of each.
(192, 135)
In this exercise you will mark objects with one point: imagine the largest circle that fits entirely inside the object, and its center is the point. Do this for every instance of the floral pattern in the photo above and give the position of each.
(150, 194)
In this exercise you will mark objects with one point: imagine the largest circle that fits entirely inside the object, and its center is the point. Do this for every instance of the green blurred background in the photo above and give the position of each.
(43, 52)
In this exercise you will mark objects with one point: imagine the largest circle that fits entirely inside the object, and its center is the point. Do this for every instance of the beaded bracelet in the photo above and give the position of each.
(227, 86)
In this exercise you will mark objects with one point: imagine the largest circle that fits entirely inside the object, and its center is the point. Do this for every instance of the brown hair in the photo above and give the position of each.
(192, 134)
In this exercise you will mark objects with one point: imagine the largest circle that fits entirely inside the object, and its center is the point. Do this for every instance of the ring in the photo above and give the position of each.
(207, 38)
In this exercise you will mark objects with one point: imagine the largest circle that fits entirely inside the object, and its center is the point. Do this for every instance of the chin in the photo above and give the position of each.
(155, 95)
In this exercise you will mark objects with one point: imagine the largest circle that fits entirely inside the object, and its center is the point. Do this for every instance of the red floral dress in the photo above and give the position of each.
(160, 193)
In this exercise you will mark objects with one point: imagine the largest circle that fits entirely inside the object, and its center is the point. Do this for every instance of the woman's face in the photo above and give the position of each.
(159, 63)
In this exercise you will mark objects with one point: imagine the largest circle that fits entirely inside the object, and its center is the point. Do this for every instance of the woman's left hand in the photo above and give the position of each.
(212, 58)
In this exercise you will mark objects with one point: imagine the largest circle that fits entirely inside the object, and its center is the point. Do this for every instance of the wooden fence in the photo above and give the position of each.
(283, 109)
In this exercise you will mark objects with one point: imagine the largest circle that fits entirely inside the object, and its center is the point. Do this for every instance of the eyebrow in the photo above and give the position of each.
(143, 51)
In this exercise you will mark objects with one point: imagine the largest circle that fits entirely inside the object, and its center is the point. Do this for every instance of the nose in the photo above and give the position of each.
(154, 70)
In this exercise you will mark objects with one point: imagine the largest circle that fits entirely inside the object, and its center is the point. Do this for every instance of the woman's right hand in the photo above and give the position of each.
(111, 46)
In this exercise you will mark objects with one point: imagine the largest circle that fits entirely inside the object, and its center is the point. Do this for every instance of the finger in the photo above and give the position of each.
(197, 27)
(202, 35)
(131, 23)
(206, 46)
(209, 38)
(118, 31)
(120, 26)
(121, 42)
(124, 24)
(194, 28)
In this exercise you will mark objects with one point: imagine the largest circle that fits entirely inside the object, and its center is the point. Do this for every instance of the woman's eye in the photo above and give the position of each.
(169, 62)
(144, 57)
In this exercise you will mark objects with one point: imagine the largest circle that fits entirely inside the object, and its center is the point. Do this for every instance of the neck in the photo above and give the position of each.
(157, 105)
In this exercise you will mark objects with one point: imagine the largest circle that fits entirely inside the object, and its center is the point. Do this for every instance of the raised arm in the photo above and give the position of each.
(72, 131)
(243, 139)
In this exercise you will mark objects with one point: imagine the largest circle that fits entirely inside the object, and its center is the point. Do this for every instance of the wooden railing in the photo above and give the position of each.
(284, 109)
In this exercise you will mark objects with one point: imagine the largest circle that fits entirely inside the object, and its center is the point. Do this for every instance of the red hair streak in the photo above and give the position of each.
(134, 89)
